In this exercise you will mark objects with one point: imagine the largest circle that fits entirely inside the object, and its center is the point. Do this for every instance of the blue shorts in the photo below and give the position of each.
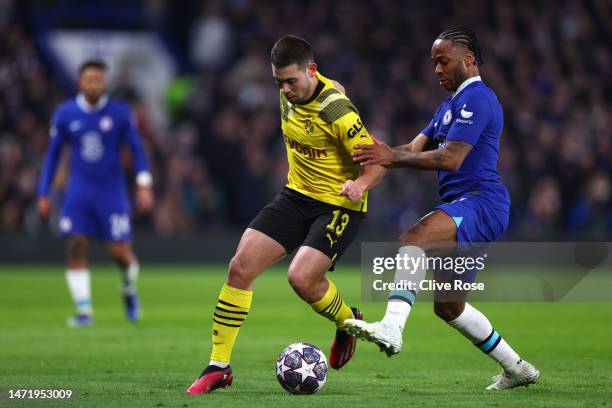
(481, 219)
(97, 217)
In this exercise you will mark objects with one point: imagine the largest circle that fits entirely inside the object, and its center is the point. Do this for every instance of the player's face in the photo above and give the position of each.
(92, 83)
(296, 83)
(450, 63)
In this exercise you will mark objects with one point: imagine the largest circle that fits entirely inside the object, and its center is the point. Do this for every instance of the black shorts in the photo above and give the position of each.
(293, 219)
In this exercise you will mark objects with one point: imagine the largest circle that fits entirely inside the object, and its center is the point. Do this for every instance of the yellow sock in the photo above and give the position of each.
(230, 312)
(333, 306)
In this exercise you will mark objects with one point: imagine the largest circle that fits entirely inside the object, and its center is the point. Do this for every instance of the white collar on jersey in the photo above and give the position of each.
(466, 83)
(88, 107)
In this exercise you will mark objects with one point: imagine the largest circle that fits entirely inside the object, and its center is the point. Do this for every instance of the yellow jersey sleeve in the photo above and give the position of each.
(350, 131)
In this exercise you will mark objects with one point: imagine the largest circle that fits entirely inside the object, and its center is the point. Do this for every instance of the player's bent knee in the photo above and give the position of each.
(408, 237)
(299, 280)
(238, 274)
(76, 248)
(416, 235)
(122, 255)
(448, 311)
(296, 282)
(122, 261)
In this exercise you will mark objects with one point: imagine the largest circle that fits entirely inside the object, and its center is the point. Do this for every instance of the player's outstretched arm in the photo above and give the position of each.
(461, 137)
(144, 194)
(448, 158)
(54, 150)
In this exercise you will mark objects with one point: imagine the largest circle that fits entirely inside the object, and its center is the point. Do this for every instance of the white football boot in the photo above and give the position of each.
(528, 374)
(387, 337)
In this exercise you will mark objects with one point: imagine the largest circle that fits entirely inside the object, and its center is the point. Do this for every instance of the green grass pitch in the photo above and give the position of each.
(150, 364)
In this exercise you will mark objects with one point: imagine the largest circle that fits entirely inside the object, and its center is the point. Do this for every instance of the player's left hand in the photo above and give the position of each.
(353, 190)
(379, 153)
(145, 198)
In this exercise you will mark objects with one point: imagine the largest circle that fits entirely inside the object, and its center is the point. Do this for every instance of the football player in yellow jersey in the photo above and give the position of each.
(318, 212)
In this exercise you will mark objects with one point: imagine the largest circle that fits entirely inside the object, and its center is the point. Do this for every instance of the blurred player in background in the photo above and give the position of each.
(476, 205)
(318, 212)
(96, 201)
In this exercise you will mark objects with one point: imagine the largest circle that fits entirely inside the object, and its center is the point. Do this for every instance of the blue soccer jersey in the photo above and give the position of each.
(473, 195)
(472, 115)
(96, 200)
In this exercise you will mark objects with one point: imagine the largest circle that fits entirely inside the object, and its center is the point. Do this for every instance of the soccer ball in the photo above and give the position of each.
(301, 368)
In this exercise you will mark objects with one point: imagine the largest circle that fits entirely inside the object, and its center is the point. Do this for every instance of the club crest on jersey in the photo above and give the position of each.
(309, 126)
(106, 123)
(448, 116)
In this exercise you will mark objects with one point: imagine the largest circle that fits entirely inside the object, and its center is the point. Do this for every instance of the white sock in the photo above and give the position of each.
(398, 311)
(79, 285)
(477, 328)
(130, 276)
(218, 363)
(400, 301)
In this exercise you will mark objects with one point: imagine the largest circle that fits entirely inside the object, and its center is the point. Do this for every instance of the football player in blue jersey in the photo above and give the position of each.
(96, 203)
(475, 210)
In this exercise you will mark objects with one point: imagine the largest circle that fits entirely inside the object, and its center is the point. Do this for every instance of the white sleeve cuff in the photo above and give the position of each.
(144, 179)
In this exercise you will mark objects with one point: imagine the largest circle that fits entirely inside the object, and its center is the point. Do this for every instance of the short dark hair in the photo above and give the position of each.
(466, 38)
(92, 63)
(291, 49)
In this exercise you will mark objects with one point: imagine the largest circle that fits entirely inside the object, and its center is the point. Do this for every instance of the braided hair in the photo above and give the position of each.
(466, 38)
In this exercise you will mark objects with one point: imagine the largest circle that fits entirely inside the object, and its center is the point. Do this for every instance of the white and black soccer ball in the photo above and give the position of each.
(301, 368)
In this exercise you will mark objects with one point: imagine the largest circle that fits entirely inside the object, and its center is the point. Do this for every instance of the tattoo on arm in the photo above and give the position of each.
(448, 158)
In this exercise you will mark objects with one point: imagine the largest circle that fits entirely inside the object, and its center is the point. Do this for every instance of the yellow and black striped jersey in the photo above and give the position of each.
(320, 136)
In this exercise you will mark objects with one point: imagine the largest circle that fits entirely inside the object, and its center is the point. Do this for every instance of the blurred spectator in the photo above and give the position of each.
(211, 37)
(591, 215)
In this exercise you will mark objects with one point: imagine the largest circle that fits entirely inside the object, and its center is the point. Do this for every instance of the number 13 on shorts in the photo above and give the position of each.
(338, 223)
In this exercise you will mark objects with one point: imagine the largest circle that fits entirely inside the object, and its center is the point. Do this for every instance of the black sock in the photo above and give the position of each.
(212, 369)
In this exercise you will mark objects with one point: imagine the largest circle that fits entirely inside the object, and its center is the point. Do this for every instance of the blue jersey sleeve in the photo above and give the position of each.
(133, 138)
(57, 137)
(428, 131)
(471, 116)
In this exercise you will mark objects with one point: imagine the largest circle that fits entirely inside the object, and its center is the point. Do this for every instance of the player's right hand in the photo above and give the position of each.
(378, 153)
(43, 205)
(145, 198)
(353, 189)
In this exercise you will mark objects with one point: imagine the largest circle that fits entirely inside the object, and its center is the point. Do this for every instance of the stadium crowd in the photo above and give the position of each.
(222, 158)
